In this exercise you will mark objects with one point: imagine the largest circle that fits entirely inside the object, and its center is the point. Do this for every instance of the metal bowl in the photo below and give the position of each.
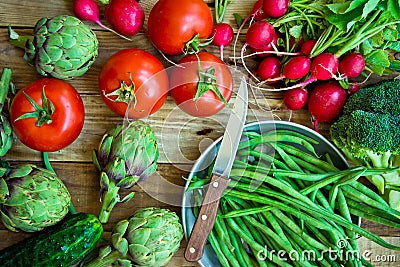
(207, 157)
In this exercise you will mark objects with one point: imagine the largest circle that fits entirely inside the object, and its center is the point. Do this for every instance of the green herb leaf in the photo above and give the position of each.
(394, 7)
(395, 65)
(395, 46)
(344, 7)
(238, 19)
(296, 31)
(378, 61)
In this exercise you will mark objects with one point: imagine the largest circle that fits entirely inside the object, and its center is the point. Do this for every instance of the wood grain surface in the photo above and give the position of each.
(181, 137)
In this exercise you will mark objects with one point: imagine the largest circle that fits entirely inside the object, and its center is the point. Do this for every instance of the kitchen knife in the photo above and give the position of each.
(220, 176)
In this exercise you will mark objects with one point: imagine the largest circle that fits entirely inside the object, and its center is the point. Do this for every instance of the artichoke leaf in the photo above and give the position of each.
(104, 149)
(120, 243)
(128, 181)
(4, 192)
(141, 254)
(95, 160)
(104, 181)
(115, 169)
(128, 197)
(8, 222)
(21, 171)
(121, 227)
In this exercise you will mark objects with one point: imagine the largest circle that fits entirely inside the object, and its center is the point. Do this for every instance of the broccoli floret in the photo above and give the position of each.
(382, 97)
(373, 140)
(362, 130)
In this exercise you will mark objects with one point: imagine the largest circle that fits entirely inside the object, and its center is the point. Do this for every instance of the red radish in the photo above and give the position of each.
(295, 99)
(222, 36)
(257, 12)
(260, 35)
(326, 102)
(267, 51)
(269, 68)
(307, 47)
(89, 10)
(325, 66)
(353, 88)
(351, 65)
(296, 68)
(275, 8)
(125, 16)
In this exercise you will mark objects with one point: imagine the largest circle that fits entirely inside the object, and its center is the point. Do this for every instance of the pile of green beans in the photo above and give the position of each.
(288, 206)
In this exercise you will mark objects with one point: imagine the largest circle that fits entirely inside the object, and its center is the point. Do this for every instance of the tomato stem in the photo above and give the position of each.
(220, 9)
(42, 113)
(193, 45)
(207, 82)
(125, 93)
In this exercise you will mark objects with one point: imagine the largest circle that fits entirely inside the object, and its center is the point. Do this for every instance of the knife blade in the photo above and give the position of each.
(220, 176)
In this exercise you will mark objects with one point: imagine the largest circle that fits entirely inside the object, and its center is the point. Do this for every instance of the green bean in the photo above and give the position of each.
(324, 214)
(241, 254)
(296, 229)
(293, 133)
(307, 157)
(246, 212)
(283, 244)
(320, 236)
(288, 160)
(225, 243)
(269, 139)
(301, 175)
(308, 166)
(333, 192)
(355, 194)
(331, 179)
(304, 250)
(215, 245)
(257, 247)
(368, 192)
(284, 187)
(251, 134)
(361, 212)
(282, 206)
(275, 224)
(197, 184)
(344, 210)
(269, 158)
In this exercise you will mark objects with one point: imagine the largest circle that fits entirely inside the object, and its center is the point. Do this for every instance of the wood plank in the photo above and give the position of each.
(179, 135)
(34, 10)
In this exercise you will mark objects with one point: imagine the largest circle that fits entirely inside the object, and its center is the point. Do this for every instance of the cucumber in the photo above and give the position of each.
(63, 244)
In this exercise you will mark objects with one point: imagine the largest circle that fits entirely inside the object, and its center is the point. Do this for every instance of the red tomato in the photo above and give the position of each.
(136, 79)
(184, 84)
(173, 23)
(60, 126)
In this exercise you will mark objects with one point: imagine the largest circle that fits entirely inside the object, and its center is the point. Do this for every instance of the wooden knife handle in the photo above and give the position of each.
(206, 218)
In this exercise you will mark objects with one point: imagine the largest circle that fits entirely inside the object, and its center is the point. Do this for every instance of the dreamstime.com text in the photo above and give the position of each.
(332, 254)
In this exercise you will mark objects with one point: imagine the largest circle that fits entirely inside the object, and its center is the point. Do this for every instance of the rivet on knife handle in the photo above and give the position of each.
(206, 218)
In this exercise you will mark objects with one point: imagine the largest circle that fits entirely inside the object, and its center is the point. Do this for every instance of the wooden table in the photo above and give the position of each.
(181, 137)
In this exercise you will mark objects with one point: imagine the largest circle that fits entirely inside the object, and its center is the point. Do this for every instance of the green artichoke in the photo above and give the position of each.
(150, 237)
(31, 198)
(6, 133)
(126, 155)
(62, 47)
